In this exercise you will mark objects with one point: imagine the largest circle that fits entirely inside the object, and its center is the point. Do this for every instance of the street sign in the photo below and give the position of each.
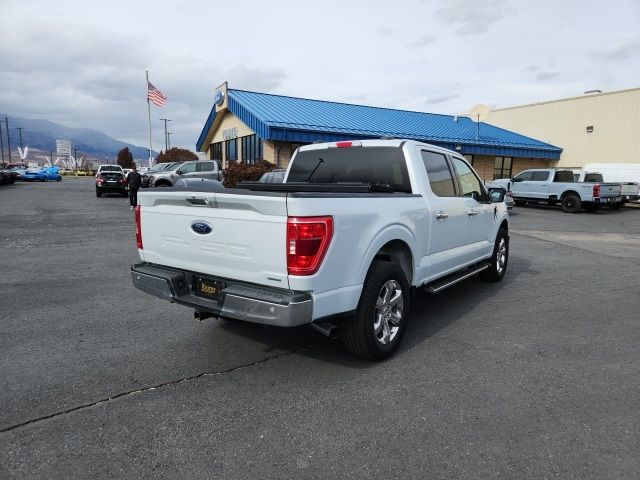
(63, 147)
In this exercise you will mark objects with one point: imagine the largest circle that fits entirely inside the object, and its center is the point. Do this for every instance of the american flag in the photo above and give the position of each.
(155, 95)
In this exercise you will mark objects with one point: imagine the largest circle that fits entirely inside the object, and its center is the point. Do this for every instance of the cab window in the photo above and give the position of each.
(205, 166)
(469, 182)
(188, 167)
(439, 174)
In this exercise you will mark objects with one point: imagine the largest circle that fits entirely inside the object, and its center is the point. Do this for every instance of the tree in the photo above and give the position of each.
(176, 155)
(244, 172)
(125, 159)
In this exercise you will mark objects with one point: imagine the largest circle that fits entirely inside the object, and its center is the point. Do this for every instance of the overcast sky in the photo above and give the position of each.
(83, 63)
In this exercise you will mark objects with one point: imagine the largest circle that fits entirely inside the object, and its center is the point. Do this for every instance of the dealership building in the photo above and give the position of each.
(250, 126)
(597, 127)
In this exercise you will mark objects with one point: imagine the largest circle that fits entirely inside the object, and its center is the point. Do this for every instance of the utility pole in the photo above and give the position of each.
(169, 139)
(20, 131)
(166, 136)
(75, 156)
(51, 157)
(1, 143)
(6, 121)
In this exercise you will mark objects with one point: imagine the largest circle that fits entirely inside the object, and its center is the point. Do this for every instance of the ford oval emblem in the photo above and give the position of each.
(201, 227)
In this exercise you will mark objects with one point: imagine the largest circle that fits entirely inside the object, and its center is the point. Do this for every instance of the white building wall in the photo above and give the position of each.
(614, 116)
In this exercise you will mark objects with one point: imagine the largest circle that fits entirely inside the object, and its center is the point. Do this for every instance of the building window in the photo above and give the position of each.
(251, 148)
(502, 167)
(215, 153)
(231, 150)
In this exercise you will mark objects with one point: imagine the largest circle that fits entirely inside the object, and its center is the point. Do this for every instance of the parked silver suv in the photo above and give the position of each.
(209, 169)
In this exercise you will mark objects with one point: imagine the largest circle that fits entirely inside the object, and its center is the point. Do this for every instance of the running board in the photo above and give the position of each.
(442, 283)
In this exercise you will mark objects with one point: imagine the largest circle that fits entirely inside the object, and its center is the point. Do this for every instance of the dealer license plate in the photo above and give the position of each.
(208, 288)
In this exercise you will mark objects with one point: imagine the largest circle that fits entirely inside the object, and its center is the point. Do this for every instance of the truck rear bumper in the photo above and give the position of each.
(246, 302)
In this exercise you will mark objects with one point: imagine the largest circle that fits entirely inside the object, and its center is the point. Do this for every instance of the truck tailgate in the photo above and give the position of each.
(609, 190)
(246, 241)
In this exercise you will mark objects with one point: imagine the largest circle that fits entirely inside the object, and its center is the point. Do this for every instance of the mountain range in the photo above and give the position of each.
(42, 135)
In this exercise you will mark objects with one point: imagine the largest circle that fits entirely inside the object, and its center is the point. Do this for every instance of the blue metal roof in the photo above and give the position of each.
(276, 117)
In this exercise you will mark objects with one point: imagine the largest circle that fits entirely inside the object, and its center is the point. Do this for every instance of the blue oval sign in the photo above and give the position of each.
(201, 227)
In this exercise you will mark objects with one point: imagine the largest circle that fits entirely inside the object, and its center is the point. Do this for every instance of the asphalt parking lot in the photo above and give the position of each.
(534, 377)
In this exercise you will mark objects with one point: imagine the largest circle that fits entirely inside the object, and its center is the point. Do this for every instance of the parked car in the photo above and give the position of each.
(111, 181)
(354, 230)
(630, 191)
(109, 168)
(35, 175)
(552, 186)
(158, 167)
(8, 176)
(274, 176)
(195, 169)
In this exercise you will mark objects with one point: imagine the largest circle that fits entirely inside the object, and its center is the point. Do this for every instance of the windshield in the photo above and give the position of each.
(379, 166)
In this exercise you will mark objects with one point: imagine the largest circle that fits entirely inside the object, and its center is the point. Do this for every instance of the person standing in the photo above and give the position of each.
(134, 180)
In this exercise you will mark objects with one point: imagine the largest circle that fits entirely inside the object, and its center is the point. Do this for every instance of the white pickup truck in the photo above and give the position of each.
(553, 186)
(629, 191)
(354, 228)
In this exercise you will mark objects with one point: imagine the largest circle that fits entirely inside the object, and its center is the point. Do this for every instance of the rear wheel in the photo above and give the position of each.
(499, 259)
(376, 329)
(571, 204)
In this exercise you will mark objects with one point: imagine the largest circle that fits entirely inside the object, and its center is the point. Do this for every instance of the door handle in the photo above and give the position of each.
(442, 215)
(471, 213)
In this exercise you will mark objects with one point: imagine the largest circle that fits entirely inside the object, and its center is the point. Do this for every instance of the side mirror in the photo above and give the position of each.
(179, 172)
(496, 195)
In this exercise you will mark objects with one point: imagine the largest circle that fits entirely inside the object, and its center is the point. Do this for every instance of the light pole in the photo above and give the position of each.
(20, 131)
(166, 136)
(1, 143)
(169, 139)
(6, 121)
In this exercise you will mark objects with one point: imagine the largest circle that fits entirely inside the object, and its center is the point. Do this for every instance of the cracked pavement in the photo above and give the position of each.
(534, 377)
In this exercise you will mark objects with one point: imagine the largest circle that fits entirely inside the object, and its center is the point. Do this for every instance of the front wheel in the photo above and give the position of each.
(571, 204)
(376, 329)
(499, 259)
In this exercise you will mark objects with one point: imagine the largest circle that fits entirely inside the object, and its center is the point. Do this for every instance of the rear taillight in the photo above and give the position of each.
(138, 228)
(308, 239)
(596, 190)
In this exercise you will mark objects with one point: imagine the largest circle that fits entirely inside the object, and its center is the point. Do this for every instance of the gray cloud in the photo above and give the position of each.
(620, 50)
(386, 31)
(472, 17)
(97, 81)
(546, 75)
(441, 99)
(531, 69)
(423, 41)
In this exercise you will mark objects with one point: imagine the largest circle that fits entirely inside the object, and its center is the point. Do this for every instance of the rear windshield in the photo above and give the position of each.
(565, 176)
(111, 168)
(381, 166)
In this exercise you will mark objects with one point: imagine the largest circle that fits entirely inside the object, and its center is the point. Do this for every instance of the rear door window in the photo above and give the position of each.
(205, 167)
(439, 174)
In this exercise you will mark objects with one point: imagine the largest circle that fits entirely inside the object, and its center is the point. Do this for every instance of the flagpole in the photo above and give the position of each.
(149, 111)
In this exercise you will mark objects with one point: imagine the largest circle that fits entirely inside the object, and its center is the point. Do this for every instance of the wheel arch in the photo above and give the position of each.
(570, 192)
(395, 244)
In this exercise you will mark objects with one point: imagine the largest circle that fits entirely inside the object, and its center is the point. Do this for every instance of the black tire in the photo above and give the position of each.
(98, 193)
(616, 206)
(593, 207)
(571, 203)
(499, 260)
(520, 203)
(59, 179)
(162, 184)
(44, 179)
(358, 333)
